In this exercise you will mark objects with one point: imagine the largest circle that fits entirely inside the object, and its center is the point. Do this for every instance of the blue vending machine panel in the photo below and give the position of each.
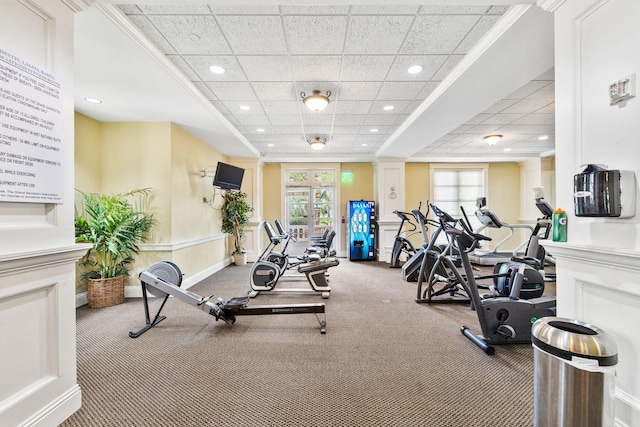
(361, 230)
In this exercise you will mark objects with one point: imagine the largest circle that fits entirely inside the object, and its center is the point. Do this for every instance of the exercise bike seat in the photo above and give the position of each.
(318, 265)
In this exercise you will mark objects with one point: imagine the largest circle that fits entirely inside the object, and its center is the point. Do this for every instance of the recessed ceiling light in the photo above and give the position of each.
(507, 149)
(245, 108)
(373, 130)
(216, 69)
(364, 144)
(259, 130)
(388, 107)
(414, 69)
(93, 100)
(543, 138)
(269, 145)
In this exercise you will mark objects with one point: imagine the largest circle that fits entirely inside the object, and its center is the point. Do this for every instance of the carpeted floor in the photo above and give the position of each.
(384, 361)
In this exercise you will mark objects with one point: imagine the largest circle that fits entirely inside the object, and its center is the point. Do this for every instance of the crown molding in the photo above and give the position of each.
(550, 5)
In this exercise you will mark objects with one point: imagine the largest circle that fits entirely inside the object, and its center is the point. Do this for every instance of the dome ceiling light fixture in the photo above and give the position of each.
(316, 102)
(317, 143)
(492, 139)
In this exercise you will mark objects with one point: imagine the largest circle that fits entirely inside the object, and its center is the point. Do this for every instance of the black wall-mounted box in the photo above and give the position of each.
(599, 192)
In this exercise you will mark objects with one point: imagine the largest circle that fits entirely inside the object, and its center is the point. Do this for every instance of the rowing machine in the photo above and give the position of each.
(163, 280)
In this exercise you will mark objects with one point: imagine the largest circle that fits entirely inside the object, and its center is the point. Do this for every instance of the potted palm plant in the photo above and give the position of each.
(114, 225)
(235, 217)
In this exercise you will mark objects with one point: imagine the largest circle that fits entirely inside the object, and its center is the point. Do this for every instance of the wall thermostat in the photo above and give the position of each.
(622, 90)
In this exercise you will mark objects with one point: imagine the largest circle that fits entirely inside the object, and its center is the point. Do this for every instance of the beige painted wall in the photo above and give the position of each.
(361, 188)
(272, 193)
(503, 198)
(118, 157)
(417, 190)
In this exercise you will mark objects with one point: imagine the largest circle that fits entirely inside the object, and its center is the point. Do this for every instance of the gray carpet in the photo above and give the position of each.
(384, 361)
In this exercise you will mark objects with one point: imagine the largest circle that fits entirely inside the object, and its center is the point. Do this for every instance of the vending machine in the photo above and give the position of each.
(361, 230)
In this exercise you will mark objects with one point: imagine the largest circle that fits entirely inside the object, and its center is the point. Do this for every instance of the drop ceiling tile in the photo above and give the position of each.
(384, 10)
(365, 68)
(446, 68)
(244, 9)
(547, 92)
(526, 129)
(353, 91)
(289, 129)
(253, 120)
(536, 119)
(366, 130)
(498, 10)
(129, 9)
(433, 34)
(500, 106)
(284, 119)
(230, 117)
(349, 119)
(549, 109)
(527, 89)
(430, 64)
(275, 91)
(379, 120)
(322, 68)
(234, 107)
(399, 91)
(253, 130)
(201, 63)
(401, 119)
(232, 91)
(527, 106)
(266, 68)
(143, 23)
(485, 129)
(316, 120)
(281, 107)
(192, 34)
(484, 24)
(204, 89)
(478, 118)
(315, 35)
(377, 34)
(346, 130)
(317, 131)
(399, 107)
(315, 9)
(353, 107)
(254, 35)
(269, 138)
(453, 10)
(502, 118)
(427, 90)
(464, 128)
(184, 67)
(184, 9)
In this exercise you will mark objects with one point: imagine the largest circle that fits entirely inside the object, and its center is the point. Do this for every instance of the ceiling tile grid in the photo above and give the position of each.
(360, 53)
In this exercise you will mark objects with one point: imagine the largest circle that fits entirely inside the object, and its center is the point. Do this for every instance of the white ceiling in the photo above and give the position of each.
(486, 69)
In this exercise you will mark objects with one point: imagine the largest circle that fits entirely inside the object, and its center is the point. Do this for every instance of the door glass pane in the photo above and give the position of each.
(297, 176)
(298, 212)
(323, 206)
(323, 176)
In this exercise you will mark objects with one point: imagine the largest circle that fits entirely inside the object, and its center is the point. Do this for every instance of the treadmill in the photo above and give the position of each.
(489, 219)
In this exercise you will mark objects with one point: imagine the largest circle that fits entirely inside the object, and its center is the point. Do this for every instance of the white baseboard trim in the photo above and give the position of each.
(189, 281)
(58, 410)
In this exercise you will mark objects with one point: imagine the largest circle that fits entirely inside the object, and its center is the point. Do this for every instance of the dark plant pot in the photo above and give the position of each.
(105, 292)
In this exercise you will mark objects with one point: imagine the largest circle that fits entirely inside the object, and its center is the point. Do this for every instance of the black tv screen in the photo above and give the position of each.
(228, 177)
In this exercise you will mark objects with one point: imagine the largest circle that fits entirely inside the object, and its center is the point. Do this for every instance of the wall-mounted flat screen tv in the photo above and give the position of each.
(228, 177)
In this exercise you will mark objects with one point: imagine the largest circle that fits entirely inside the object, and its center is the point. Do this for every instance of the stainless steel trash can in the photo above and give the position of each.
(574, 374)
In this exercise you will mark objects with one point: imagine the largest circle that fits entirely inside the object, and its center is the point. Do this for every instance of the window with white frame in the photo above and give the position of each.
(453, 186)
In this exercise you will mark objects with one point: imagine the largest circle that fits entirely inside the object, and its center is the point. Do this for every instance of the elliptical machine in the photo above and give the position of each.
(402, 244)
(503, 320)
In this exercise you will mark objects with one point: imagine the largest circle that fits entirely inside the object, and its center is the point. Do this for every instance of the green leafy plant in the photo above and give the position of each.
(235, 216)
(114, 226)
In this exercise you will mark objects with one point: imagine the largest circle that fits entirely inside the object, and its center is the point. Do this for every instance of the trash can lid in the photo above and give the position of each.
(566, 338)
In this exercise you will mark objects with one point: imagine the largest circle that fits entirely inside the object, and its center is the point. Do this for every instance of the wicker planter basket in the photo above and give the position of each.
(105, 292)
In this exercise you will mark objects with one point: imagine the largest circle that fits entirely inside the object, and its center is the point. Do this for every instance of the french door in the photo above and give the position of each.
(309, 211)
